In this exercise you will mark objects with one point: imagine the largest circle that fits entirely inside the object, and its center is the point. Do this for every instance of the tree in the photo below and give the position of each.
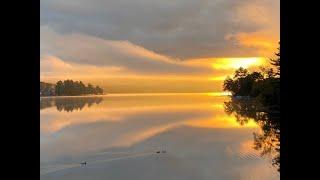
(240, 73)
(59, 88)
(242, 83)
(276, 61)
(98, 90)
(47, 89)
(90, 89)
(229, 85)
(74, 88)
(82, 87)
(264, 85)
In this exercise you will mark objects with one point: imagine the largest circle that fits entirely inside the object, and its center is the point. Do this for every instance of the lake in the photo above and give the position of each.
(149, 136)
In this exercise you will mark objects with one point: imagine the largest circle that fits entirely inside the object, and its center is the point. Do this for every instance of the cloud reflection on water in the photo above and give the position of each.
(193, 128)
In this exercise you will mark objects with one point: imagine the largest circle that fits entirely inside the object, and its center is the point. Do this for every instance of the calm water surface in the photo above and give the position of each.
(118, 136)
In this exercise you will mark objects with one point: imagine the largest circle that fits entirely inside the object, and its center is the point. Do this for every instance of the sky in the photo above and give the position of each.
(132, 46)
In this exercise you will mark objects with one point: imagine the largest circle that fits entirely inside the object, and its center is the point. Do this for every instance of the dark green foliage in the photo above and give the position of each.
(74, 88)
(269, 92)
(242, 83)
(46, 89)
(240, 73)
(264, 85)
(68, 88)
(276, 62)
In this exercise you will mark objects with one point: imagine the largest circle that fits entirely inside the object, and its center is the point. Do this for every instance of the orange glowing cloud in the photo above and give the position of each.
(265, 42)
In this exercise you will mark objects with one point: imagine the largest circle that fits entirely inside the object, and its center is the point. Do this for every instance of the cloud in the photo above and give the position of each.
(121, 66)
(181, 29)
(82, 49)
(54, 67)
(148, 45)
(265, 42)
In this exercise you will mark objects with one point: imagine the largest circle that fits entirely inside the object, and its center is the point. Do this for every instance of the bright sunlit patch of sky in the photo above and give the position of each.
(218, 93)
(225, 64)
(235, 63)
(217, 78)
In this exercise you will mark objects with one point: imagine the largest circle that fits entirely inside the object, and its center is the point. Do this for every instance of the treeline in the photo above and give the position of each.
(68, 88)
(47, 89)
(263, 85)
(263, 105)
(73, 88)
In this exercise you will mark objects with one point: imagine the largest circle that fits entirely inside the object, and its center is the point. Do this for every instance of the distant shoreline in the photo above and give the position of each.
(144, 94)
(93, 95)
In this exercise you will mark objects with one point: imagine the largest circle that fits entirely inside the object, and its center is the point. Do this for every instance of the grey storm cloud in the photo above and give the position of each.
(177, 28)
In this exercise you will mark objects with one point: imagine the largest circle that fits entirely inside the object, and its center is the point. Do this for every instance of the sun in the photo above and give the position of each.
(235, 63)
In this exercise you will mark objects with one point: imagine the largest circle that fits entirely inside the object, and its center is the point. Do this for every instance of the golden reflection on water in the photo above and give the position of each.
(118, 107)
(221, 122)
(187, 125)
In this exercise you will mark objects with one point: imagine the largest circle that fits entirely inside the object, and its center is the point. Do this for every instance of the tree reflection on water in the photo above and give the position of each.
(69, 104)
(268, 118)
